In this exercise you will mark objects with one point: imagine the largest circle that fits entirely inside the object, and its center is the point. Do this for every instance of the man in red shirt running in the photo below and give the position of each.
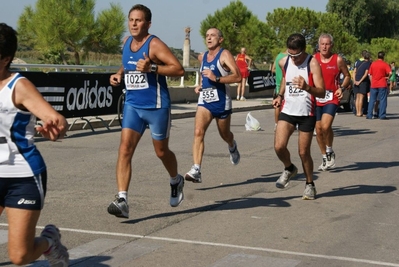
(332, 65)
(379, 72)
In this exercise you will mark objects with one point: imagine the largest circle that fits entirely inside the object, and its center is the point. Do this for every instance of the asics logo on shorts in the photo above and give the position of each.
(26, 201)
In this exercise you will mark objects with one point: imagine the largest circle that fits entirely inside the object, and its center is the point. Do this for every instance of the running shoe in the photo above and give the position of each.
(243, 98)
(176, 195)
(234, 155)
(330, 160)
(57, 255)
(285, 178)
(119, 207)
(193, 175)
(323, 166)
(310, 192)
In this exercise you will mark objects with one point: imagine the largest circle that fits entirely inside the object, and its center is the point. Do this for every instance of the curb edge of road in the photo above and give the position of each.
(112, 120)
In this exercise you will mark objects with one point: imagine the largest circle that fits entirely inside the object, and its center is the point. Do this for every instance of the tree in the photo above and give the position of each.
(241, 29)
(344, 42)
(311, 24)
(387, 45)
(367, 19)
(57, 27)
(285, 22)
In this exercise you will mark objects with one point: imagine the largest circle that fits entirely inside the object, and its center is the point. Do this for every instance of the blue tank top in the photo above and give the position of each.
(144, 90)
(214, 96)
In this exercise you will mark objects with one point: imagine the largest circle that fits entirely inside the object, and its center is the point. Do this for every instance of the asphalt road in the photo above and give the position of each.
(236, 217)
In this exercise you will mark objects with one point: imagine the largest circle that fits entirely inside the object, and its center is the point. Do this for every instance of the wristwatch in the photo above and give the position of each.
(154, 68)
(217, 79)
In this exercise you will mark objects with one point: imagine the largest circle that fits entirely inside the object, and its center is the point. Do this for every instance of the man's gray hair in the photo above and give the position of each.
(326, 35)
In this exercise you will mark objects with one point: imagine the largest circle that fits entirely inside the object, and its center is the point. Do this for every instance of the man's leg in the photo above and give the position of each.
(373, 98)
(203, 118)
(283, 132)
(167, 157)
(224, 132)
(127, 146)
(128, 143)
(304, 144)
(383, 96)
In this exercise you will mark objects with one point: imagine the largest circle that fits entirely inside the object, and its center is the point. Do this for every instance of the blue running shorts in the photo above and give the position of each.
(157, 119)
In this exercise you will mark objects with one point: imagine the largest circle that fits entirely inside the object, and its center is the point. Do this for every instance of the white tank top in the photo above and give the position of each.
(19, 157)
(298, 102)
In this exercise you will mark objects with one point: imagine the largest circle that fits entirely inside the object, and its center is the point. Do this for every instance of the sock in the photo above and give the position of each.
(329, 149)
(232, 148)
(290, 168)
(324, 156)
(174, 180)
(123, 194)
(197, 166)
(50, 244)
(312, 183)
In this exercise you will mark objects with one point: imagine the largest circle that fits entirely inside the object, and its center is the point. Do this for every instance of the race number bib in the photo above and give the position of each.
(328, 97)
(210, 95)
(136, 80)
(293, 91)
(4, 150)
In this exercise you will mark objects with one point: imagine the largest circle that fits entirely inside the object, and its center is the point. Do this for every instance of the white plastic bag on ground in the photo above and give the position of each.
(252, 124)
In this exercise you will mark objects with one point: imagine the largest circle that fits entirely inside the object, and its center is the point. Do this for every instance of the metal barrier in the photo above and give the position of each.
(90, 69)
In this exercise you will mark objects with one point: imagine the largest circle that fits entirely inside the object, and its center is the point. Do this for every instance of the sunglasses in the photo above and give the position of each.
(294, 55)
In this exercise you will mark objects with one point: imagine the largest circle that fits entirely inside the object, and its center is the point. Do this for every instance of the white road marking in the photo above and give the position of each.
(194, 242)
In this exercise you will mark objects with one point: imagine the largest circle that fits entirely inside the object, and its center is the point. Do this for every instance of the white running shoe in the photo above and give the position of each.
(330, 160)
(176, 194)
(309, 193)
(234, 155)
(57, 255)
(243, 98)
(119, 207)
(323, 166)
(285, 178)
(193, 175)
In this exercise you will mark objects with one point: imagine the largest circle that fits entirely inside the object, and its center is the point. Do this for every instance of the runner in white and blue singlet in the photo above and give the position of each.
(23, 174)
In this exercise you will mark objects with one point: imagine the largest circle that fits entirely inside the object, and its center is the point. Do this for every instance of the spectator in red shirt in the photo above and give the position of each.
(379, 72)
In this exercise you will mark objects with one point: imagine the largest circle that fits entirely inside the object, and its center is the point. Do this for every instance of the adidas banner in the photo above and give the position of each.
(260, 80)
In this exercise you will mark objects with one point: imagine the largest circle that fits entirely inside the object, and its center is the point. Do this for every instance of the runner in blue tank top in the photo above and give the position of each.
(146, 63)
(218, 70)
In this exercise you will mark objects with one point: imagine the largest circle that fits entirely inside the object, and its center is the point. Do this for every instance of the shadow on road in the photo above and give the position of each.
(358, 190)
(366, 166)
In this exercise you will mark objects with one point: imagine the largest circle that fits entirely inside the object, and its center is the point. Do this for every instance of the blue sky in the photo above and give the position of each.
(171, 17)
